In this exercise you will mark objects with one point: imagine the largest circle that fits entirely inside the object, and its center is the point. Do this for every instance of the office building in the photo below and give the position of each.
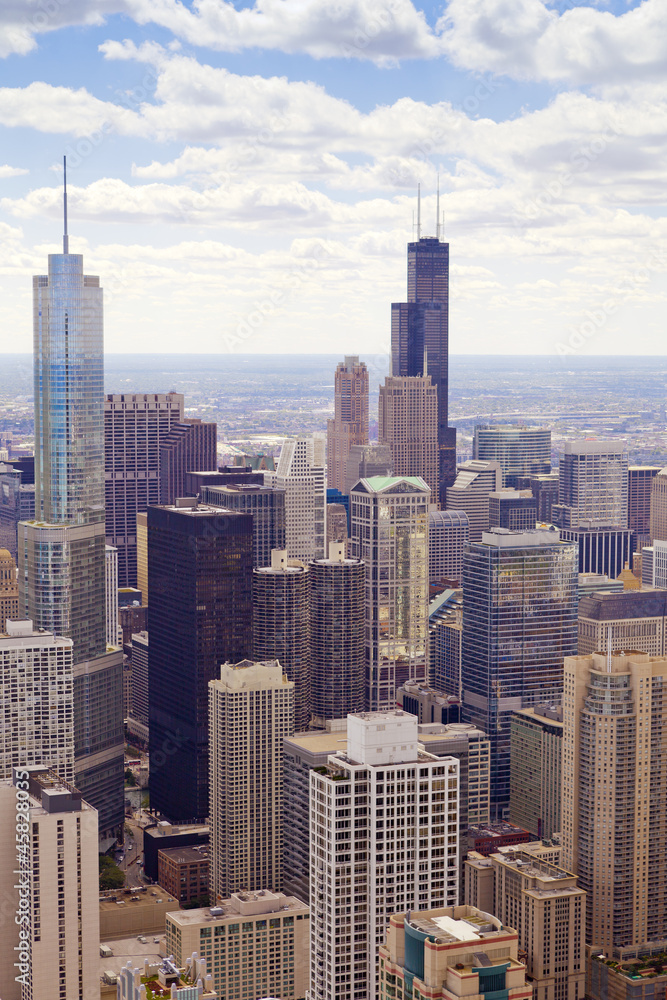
(164, 835)
(281, 625)
(470, 494)
(545, 493)
(17, 503)
(200, 615)
(549, 909)
(189, 446)
(251, 711)
(601, 550)
(366, 461)
(592, 486)
(36, 700)
(408, 423)
(60, 956)
(449, 952)
(521, 451)
(636, 620)
(536, 745)
(428, 705)
(640, 486)
(138, 720)
(448, 534)
(9, 589)
(192, 982)
(301, 753)
(337, 639)
(254, 943)
(62, 551)
(654, 565)
(132, 619)
(301, 473)
(615, 795)
(350, 422)
(195, 483)
(336, 524)
(472, 749)
(519, 622)
(364, 868)
(111, 593)
(420, 338)
(445, 627)
(135, 424)
(390, 533)
(513, 509)
(267, 506)
(596, 583)
(658, 521)
(183, 872)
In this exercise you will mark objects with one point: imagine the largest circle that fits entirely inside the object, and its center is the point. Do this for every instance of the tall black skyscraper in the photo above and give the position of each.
(420, 327)
(199, 617)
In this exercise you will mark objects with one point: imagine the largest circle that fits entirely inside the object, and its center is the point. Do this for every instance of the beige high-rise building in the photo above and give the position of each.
(301, 473)
(535, 895)
(408, 423)
(251, 711)
(59, 957)
(350, 423)
(9, 589)
(142, 556)
(475, 480)
(536, 743)
(659, 506)
(614, 809)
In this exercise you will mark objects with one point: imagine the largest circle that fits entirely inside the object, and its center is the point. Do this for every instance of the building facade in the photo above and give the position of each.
(448, 535)
(301, 473)
(513, 509)
(640, 486)
(592, 486)
(365, 461)
(536, 746)
(635, 620)
(9, 589)
(111, 594)
(350, 422)
(267, 506)
(470, 494)
(658, 521)
(408, 423)
(251, 712)
(445, 626)
(521, 451)
(190, 446)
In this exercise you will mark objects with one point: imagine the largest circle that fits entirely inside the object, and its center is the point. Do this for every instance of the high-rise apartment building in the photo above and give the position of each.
(640, 486)
(615, 795)
(384, 821)
(658, 520)
(17, 503)
(408, 423)
(301, 473)
(448, 534)
(111, 593)
(200, 581)
(336, 524)
(190, 446)
(36, 700)
(470, 494)
(513, 509)
(592, 486)
(62, 552)
(251, 712)
(138, 716)
(135, 424)
(390, 533)
(281, 625)
(472, 748)
(267, 506)
(519, 622)
(9, 589)
(420, 338)
(521, 451)
(365, 461)
(445, 628)
(536, 746)
(635, 619)
(450, 952)
(337, 625)
(350, 422)
(58, 953)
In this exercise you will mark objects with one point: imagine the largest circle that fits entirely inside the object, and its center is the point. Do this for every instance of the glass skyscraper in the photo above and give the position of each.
(519, 622)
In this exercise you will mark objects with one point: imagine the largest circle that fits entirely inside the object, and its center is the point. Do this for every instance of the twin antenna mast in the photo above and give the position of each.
(439, 220)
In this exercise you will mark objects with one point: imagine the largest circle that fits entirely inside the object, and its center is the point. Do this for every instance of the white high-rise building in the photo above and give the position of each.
(251, 711)
(301, 472)
(592, 485)
(111, 568)
(390, 525)
(57, 940)
(383, 839)
(36, 700)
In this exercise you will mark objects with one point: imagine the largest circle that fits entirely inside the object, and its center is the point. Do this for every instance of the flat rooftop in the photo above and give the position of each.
(187, 918)
(186, 855)
(135, 898)
(319, 741)
(164, 829)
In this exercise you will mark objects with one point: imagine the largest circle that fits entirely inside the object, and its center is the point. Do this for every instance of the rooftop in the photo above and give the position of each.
(454, 924)
(136, 897)
(241, 903)
(186, 855)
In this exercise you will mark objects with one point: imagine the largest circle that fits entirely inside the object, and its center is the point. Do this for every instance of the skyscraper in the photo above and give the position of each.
(408, 423)
(592, 485)
(513, 509)
(390, 533)
(337, 619)
(420, 337)
(251, 711)
(111, 594)
(365, 461)
(281, 625)
(470, 493)
(62, 552)
(519, 621)
(640, 485)
(536, 745)
(267, 506)
(301, 473)
(521, 451)
(17, 503)
(190, 446)
(658, 522)
(615, 796)
(135, 424)
(350, 423)
(448, 534)
(200, 615)
(9, 589)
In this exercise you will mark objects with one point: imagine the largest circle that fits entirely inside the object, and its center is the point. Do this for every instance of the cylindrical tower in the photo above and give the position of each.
(280, 628)
(337, 664)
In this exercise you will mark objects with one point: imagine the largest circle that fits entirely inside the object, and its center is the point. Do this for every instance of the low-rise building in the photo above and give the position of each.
(479, 872)
(183, 872)
(192, 982)
(138, 910)
(165, 834)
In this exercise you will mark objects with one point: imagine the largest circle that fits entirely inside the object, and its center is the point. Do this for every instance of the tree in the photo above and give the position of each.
(111, 876)
(130, 778)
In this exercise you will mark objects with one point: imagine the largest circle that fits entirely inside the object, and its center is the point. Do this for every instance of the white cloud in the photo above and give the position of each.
(7, 171)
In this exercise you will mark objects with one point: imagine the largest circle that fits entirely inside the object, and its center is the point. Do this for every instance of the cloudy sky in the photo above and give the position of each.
(242, 175)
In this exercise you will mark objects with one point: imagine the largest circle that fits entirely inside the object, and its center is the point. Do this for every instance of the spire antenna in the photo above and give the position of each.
(419, 211)
(65, 236)
(437, 210)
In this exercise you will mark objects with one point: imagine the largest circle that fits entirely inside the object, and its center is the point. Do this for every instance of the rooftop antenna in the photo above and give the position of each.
(65, 236)
(437, 210)
(419, 211)
(425, 361)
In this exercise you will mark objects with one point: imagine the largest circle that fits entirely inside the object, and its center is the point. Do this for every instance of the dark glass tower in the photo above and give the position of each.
(419, 329)
(199, 617)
